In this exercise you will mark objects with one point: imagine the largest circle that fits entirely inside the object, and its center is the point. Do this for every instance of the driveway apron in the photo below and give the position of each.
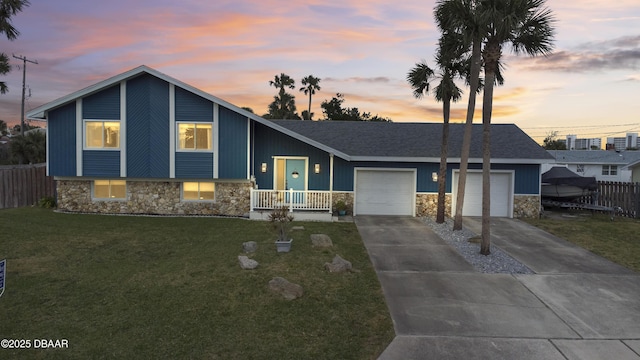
(442, 308)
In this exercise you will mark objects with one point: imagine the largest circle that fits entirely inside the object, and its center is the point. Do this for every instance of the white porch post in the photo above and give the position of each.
(330, 183)
(251, 195)
(290, 199)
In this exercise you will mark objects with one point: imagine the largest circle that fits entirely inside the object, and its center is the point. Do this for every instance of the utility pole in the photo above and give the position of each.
(24, 75)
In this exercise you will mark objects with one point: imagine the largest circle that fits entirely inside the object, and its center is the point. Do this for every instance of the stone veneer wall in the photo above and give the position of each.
(155, 197)
(347, 197)
(427, 204)
(526, 206)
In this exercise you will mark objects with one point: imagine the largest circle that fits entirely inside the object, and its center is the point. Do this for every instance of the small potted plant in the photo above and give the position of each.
(341, 207)
(281, 220)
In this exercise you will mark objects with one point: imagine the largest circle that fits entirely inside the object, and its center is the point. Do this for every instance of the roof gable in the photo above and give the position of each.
(40, 112)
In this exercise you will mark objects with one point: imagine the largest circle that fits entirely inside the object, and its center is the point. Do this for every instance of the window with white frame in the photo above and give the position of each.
(110, 189)
(102, 134)
(610, 170)
(195, 136)
(198, 191)
(580, 168)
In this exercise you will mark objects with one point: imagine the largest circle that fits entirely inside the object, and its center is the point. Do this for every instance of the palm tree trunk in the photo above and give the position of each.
(442, 175)
(466, 139)
(487, 104)
(309, 111)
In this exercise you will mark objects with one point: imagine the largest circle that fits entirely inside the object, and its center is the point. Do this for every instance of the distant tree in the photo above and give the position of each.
(552, 143)
(8, 8)
(333, 110)
(283, 105)
(3, 127)
(30, 148)
(248, 109)
(310, 86)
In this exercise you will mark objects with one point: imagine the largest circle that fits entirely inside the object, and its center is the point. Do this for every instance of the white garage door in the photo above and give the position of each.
(501, 194)
(384, 192)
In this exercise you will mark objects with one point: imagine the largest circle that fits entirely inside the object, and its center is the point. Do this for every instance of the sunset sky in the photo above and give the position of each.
(589, 86)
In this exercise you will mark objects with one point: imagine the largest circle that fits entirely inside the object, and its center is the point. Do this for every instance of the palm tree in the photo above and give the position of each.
(30, 148)
(527, 26)
(419, 78)
(464, 17)
(8, 8)
(311, 85)
(281, 82)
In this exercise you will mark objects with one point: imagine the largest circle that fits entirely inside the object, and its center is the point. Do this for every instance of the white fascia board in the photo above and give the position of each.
(449, 160)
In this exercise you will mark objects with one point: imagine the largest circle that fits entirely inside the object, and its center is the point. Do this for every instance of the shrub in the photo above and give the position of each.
(47, 202)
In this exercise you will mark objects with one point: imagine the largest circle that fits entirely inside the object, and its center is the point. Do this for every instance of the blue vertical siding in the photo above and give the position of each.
(194, 165)
(232, 136)
(147, 127)
(101, 163)
(104, 105)
(344, 173)
(61, 126)
(269, 143)
(192, 107)
(527, 176)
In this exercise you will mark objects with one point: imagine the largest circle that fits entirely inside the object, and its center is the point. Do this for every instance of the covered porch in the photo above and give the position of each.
(305, 205)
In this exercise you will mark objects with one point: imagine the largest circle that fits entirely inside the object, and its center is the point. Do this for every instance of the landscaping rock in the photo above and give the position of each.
(246, 263)
(321, 240)
(338, 265)
(288, 290)
(297, 228)
(249, 247)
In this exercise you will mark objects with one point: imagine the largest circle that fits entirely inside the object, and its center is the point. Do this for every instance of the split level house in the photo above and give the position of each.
(145, 143)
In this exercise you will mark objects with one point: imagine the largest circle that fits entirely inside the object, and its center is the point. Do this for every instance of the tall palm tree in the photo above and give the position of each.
(281, 82)
(465, 18)
(8, 8)
(527, 25)
(311, 85)
(419, 78)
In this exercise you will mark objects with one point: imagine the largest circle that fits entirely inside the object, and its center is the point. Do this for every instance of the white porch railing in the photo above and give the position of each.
(299, 200)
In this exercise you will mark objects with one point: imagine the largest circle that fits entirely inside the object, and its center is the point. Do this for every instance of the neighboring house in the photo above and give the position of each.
(143, 142)
(603, 165)
(634, 167)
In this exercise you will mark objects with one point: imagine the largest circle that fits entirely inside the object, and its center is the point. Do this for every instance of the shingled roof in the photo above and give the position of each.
(363, 140)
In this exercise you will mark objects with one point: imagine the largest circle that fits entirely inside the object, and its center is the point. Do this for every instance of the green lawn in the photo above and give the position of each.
(150, 288)
(617, 240)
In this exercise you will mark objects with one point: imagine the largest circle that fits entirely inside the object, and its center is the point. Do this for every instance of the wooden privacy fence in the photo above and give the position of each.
(622, 195)
(24, 185)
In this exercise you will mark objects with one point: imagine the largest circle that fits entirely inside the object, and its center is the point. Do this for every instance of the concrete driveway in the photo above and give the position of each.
(576, 306)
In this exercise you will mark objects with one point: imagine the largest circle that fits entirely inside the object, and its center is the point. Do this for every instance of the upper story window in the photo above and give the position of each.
(195, 137)
(102, 134)
(610, 170)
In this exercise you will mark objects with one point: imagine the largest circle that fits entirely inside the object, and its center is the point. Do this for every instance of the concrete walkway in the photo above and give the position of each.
(576, 306)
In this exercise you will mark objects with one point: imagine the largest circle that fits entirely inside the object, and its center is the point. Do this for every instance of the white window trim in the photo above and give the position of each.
(609, 168)
(94, 198)
(182, 199)
(84, 135)
(177, 137)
